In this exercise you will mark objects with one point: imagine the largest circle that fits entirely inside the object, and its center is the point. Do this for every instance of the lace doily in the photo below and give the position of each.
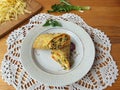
(102, 74)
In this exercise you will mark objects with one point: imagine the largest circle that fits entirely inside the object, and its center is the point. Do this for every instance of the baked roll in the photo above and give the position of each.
(51, 41)
(62, 56)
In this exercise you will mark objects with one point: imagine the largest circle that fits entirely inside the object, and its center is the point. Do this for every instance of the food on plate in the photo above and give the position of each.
(59, 44)
(62, 56)
(10, 9)
(51, 41)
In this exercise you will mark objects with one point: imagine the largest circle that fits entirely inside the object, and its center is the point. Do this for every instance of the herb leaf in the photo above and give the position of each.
(51, 22)
(65, 6)
(47, 23)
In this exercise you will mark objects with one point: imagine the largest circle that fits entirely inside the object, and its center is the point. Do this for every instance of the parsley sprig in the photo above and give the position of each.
(52, 22)
(65, 6)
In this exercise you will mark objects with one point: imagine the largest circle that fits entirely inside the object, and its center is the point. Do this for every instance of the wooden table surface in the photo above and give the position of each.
(104, 15)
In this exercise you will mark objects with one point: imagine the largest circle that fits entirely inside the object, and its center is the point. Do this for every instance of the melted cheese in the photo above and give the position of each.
(10, 9)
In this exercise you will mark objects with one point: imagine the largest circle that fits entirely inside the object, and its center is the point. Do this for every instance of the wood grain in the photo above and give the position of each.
(104, 15)
(32, 6)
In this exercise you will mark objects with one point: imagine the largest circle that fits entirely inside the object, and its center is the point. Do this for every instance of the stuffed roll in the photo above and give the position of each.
(62, 56)
(51, 41)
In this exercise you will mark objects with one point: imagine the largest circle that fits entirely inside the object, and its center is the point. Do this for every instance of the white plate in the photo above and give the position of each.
(41, 67)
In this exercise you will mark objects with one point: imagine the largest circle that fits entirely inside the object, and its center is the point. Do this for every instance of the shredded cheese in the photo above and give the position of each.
(10, 9)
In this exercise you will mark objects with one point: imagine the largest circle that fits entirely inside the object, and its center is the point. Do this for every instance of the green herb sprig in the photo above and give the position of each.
(65, 6)
(53, 23)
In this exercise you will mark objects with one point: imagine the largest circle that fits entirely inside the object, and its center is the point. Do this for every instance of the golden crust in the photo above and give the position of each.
(51, 41)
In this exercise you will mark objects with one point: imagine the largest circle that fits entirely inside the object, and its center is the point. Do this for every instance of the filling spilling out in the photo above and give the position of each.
(59, 42)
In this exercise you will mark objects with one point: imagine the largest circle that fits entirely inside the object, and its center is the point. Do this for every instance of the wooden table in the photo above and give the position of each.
(104, 15)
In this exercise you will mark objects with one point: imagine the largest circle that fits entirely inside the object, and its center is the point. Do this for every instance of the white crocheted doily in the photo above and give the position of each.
(102, 74)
